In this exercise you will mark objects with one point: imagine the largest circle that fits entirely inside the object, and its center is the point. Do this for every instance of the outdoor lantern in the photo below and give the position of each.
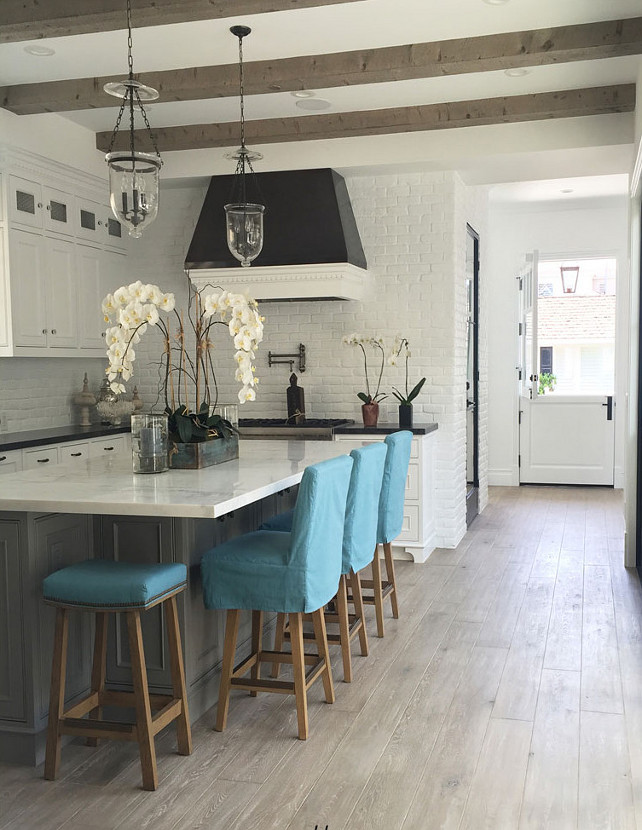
(570, 274)
(244, 219)
(133, 175)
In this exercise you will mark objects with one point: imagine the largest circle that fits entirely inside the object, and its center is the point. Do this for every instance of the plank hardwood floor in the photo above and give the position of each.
(507, 696)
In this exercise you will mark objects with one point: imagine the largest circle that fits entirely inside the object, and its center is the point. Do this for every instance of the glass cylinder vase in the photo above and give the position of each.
(228, 412)
(149, 443)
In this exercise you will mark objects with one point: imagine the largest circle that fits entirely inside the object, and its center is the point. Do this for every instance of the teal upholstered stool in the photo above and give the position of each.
(391, 503)
(359, 542)
(106, 587)
(291, 573)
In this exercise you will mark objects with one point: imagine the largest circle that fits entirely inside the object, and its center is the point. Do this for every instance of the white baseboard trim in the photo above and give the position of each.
(507, 477)
(619, 479)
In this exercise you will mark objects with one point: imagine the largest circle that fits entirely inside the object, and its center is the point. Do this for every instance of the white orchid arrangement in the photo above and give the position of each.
(133, 308)
(376, 343)
(402, 347)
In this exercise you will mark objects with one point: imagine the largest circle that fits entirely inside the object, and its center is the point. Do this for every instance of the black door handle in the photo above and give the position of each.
(609, 407)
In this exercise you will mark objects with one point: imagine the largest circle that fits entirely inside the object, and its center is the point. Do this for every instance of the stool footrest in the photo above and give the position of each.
(83, 706)
(127, 700)
(285, 657)
(167, 714)
(98, 729)
(281, 686)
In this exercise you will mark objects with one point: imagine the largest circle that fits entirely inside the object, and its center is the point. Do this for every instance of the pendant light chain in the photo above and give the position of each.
(242, 94)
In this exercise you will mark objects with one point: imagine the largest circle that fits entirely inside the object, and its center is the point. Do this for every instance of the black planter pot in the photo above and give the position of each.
(405, 415)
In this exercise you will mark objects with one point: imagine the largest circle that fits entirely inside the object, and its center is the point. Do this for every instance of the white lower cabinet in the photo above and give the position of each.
(109, 445)
(11, 461)
(40, 457)
(73, 452)
(417, 537)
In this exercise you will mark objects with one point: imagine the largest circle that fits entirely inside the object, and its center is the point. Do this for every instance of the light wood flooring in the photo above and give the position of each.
(508, 695)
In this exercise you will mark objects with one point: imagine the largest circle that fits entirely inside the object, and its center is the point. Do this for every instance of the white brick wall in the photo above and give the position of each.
(412, 227)
(36, 394)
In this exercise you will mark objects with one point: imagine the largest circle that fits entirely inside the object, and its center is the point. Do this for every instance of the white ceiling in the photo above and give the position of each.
(500, 153)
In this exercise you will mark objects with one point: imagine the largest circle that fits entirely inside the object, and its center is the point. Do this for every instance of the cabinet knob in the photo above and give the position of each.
(108, 449)
(76, 454)
(42, 460)
(99, 223)
(39, 204)
(44, 331)
(3, 457)
(48, 207)
(53, 331)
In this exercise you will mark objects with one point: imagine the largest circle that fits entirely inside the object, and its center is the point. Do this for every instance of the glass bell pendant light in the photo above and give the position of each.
(133, 175)
(244, 220)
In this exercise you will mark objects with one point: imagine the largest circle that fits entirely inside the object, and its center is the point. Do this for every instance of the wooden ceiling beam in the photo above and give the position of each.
(33, 19)
(543, 105)
(587, 41)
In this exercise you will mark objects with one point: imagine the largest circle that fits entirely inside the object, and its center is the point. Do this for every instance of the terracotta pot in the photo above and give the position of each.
(370, 414)
(405, 415)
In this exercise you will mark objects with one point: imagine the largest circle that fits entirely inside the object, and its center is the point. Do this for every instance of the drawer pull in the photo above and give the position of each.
(76, 454)
(3, 457)
(108, 449)
(42, 460)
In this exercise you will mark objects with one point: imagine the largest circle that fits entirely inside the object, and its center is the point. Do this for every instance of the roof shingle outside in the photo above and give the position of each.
(576, 318)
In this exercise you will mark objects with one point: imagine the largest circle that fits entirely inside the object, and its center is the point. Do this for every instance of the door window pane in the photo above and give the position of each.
(578, 327)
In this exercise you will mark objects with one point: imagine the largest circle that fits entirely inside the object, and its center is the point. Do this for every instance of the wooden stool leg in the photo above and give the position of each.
(143, 709)
(278, 642)
(378, 596)
(321, 637)
(344, 628)
(229, 650)
(57, 694)
(298, 667)
(257, 645)
(183, 729)
(99, 668)
(390, 573)
(357, 599)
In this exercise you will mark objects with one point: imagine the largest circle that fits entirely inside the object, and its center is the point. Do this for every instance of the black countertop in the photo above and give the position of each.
(383, 429)
(55, 435)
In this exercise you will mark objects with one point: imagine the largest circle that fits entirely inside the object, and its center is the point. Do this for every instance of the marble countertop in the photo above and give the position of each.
(107, 486)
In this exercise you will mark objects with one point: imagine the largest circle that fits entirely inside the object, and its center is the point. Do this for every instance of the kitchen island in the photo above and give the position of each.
(53, 517)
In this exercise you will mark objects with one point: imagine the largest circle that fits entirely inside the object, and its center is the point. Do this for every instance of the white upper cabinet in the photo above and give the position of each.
(25, 202)
(61, 251)
(59, 211)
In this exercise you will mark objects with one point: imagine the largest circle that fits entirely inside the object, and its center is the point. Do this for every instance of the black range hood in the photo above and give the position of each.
(308, 221)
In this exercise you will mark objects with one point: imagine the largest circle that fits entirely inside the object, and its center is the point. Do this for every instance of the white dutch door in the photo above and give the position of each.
(567, 370)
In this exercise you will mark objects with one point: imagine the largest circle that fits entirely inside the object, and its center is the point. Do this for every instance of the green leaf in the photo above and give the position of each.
(204, 409)
(399, 397)
(416, 390)
(184, 426)
(365, 398)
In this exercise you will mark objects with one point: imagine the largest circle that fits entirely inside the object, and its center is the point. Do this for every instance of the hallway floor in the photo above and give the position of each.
(507, 695)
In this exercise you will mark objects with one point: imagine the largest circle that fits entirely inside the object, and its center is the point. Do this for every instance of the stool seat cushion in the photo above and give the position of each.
(252, 572)
(113, 586)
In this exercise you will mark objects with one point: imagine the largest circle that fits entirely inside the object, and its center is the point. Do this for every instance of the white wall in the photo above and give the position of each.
(582, 226)
(413, 229)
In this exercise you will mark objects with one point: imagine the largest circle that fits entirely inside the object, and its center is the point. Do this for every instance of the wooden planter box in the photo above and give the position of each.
(203, 453)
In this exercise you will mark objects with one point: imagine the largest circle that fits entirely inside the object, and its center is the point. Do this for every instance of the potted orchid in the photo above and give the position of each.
(401, 346)
(370, 406)
(187, 377)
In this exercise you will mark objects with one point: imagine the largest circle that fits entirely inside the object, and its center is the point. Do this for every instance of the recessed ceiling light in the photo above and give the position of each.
(496, 2)
(566, 190)
(516, 72)
(302, 93)
(39, 51)
(313, 104)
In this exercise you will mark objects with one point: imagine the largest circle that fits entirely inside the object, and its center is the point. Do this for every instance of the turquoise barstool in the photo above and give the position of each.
(359, 540)
(291, 573)
(391, 503)
(107, 587)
